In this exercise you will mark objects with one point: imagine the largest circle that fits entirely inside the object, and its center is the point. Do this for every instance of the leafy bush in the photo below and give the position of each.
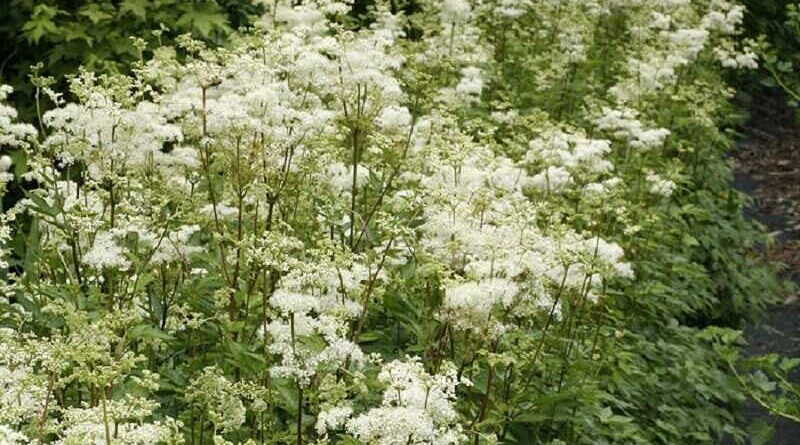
(776, 23)
(499, 222)
(100, 35)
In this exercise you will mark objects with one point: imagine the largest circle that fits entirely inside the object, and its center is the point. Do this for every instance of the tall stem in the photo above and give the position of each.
(485, 402)
(354, 188)
(299, 414)
(105, 415)
(43, 418)
(39, 111)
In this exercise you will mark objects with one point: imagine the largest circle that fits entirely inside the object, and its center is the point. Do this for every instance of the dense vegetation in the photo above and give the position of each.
(433, 223)
(102, 36)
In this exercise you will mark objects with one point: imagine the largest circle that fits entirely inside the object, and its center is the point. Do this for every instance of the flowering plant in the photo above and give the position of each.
(433, 226)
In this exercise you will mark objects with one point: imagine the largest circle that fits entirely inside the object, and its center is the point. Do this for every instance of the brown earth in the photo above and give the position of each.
(767, 167)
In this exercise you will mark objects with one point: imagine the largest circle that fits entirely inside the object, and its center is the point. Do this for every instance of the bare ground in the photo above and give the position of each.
(767, 166)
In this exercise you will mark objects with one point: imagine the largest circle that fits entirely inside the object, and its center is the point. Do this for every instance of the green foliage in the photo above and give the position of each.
(769, 380)
(210, 334)
(100, 35)
(661, 378)
(776, 23)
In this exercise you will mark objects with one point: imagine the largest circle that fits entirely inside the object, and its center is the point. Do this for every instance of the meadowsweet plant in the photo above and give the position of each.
(443, 222)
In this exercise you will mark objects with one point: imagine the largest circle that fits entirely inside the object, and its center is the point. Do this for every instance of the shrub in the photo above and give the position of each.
(514, 225)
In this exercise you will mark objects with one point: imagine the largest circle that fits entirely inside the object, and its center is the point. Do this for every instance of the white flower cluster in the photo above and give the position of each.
(14, 136)
(12, 133)
(332, 419)
(212, 391)
(106, 252)
(277, 197)
(455, 11)
(316, 302)
(417, 408)
(470, 305)
(9, 436)
(660, 186)
(23, 390)
(83, 426)
(673, 41)
(624, 125)
(564, 157)
(481, 224)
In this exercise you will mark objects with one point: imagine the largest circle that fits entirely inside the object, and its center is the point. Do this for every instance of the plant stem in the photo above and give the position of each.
(43, 417)
(105, 415)
(299, 414)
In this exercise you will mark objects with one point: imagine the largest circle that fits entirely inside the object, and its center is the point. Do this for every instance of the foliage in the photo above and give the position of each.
(102, 35)
(776, 23)
(768, 382)
(484, 222)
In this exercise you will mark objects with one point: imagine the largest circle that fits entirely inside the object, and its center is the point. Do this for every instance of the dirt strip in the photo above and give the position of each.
(767, 167)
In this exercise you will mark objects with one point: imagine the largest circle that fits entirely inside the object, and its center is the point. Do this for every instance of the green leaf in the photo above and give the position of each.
(41, 23)
(689, 240)
(760, 432)
(76, 32)
(762, 382)
(205, 18)
(42, 206)
(137, 8)
(369, 337)
(243, 357)
(95, 13)
(787, 364)
(148, 332)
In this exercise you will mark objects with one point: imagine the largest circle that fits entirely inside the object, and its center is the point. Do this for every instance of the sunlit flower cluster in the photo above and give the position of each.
(246, 244)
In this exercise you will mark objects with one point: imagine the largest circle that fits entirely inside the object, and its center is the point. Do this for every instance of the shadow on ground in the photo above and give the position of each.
(767, 167)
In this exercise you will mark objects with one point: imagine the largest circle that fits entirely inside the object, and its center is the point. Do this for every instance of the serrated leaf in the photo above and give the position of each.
(146, 331)
(204, 18)
(762, 382)
(95, 13)
(760, 432)
(136, 8)
(41, 23)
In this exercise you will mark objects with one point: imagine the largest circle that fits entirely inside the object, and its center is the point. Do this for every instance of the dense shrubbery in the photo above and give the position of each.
(101, 35)
(487, 222)
(776, 25)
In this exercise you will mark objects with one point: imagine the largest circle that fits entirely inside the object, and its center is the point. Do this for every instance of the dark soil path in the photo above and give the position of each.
(768, 169)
